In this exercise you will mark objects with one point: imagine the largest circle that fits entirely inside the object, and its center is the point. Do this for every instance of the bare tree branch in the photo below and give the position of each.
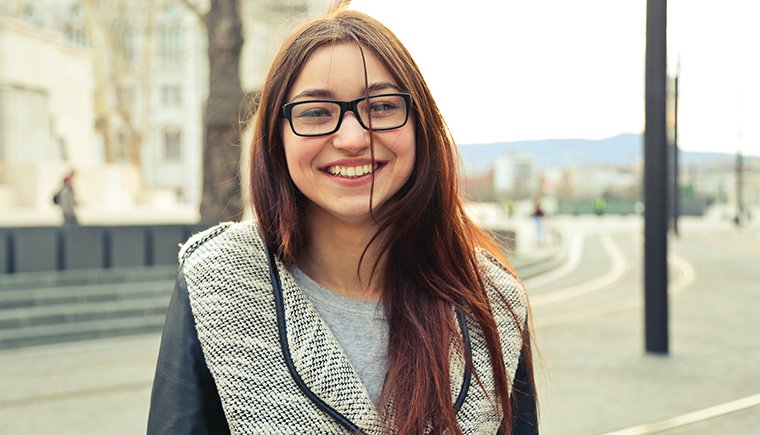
(195, 10)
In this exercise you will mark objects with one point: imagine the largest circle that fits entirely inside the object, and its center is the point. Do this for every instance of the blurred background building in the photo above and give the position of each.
(579, 176)
(116, 91)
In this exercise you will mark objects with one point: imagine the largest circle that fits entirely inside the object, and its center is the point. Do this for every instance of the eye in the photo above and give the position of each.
(383, 106)
(314, 112)
(386, 106)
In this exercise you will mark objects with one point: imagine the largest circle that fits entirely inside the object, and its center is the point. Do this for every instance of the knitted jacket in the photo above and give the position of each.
(245, 352)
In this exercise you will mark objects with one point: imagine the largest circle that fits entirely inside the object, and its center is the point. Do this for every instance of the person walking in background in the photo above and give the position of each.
(538, 217)
(510, 206)
(361, 298)
(600, 206)
(65, 198)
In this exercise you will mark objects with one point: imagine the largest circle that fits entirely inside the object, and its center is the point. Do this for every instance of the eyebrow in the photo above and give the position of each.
(330, 94)
(316, 93)
(381, 86)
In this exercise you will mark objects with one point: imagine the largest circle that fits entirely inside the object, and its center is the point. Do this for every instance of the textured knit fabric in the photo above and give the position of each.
(233, 305)
(359, 326)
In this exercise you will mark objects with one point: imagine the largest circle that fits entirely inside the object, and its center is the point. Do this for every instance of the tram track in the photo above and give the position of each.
(617, 269)
(685, 277)
(693, 417)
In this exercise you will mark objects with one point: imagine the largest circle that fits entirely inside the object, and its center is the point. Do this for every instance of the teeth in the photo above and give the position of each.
(352, 171)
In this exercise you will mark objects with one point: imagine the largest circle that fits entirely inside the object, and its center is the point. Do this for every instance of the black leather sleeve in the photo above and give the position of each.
(524, 411)
(184, 399)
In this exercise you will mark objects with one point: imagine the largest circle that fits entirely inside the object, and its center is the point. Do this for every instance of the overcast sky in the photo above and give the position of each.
(505, 70)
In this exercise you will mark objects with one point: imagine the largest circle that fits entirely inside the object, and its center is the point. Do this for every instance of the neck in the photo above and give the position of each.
(333, 255)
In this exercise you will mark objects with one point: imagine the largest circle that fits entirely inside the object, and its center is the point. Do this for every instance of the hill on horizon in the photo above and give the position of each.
(620, 150)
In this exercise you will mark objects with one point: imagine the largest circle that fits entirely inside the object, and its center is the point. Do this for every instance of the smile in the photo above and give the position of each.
(352, 171)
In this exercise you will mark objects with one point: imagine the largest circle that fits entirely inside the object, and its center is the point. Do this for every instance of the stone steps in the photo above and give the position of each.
(529, 267)
(56, 296)
(48, 334)
(68, 278)
(75, 312)
(52, 307)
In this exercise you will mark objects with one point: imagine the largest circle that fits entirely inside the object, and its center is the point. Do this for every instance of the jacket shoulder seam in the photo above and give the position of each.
(200, 238)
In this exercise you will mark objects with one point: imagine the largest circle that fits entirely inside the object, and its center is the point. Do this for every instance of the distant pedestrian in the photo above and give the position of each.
(510, 206)
(538, 217)
(600, 206)
(65, 198)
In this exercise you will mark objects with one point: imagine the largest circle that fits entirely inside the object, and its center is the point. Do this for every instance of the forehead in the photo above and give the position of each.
(338, 69)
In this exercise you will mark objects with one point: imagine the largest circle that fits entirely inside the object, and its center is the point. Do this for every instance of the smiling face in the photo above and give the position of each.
(335, 171)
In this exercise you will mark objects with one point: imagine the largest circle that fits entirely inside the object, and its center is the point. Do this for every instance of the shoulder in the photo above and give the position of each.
(504, 289)
(221, 243)
(198, 239)
(509, 306)
(226, 264)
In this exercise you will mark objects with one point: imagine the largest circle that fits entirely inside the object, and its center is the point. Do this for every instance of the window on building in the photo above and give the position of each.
(30, 14)
(75, 27)
(172, 144)
(171, 43)
(123, 143)
(25, 119)
(125, 39)
(171, 95)
(127, 97)
(130, 42)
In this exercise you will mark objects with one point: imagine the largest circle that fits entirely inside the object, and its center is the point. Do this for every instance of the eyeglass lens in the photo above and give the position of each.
(319, 117)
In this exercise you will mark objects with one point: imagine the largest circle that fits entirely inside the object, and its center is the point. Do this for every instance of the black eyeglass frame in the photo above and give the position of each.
(346, 106)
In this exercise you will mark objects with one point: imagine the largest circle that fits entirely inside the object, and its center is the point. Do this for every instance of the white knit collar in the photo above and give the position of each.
(319, 358)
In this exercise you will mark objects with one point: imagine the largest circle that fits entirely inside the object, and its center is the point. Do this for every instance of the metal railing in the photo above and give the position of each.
(39, 249)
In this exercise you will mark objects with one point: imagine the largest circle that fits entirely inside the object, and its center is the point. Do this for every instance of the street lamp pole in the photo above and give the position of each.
(739, 188)
(655, 181)
(676, 187)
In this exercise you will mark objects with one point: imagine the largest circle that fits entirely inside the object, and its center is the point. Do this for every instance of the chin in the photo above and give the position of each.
(357, 217)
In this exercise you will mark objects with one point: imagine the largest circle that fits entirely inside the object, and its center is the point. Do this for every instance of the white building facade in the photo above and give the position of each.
(119, 97)
(46, 109)
(514, 177)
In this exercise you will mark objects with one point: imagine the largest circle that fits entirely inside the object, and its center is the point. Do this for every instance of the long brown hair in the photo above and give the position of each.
(431, 263)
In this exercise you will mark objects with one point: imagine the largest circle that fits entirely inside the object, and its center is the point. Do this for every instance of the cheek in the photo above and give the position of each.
(293, 147)
(290, 159)
(408, 159)
(407, 152)
(293, 159)
(300, 155)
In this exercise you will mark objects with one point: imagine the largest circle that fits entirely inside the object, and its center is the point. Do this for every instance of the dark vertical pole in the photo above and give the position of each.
(676, 186)
(655, 182)
(739, 189)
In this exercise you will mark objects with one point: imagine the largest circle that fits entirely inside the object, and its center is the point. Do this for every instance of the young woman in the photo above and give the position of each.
(361, 299)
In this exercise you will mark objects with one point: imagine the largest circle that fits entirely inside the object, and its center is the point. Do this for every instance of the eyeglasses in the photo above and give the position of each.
(323, 117)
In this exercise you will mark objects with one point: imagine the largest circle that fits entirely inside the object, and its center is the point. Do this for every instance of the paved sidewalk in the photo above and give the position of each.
(597, 378)
(88, 387)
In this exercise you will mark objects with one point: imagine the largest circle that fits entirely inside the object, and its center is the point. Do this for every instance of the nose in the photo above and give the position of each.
(351, 136)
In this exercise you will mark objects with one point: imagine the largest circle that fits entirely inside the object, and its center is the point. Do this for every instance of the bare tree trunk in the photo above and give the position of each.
(221, 155)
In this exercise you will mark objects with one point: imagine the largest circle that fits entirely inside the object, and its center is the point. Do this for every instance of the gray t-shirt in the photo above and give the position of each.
(359, 326)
